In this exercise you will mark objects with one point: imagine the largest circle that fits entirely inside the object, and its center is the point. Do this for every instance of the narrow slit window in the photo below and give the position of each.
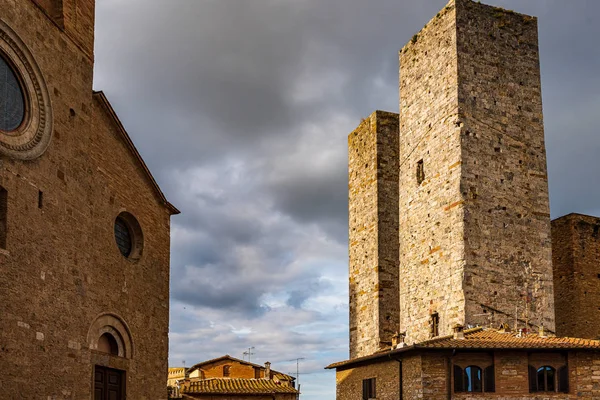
(3, 216)
(420, 172)
(40, 199)
(435, 324)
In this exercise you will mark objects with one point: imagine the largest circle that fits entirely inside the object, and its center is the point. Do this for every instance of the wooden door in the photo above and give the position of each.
(108, 384)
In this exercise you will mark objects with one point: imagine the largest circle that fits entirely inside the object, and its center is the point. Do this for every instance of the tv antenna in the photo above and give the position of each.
(248, 353)
(297, 368)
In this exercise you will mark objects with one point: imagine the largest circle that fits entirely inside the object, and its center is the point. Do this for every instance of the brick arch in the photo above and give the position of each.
(117, 328)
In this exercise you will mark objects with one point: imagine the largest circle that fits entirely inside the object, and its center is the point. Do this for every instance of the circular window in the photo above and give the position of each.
(25, 110)
(12, 101)
(128, 236)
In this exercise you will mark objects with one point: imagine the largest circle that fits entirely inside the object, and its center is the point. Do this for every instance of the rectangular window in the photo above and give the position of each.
(3, 216)
(369, 389)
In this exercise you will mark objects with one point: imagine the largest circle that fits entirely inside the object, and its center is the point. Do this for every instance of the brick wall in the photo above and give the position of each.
(373, 233)
(576, 260)
(349, 381)
(61, 268)
(236, 370)
(428, 375)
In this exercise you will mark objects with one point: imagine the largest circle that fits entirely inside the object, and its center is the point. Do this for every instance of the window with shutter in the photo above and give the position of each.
(489, 377)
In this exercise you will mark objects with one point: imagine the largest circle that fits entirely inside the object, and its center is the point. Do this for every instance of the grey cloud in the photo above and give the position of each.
(241, 110)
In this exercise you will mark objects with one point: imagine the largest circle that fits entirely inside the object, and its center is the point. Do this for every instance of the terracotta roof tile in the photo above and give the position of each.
(236, 386)
(482, 338)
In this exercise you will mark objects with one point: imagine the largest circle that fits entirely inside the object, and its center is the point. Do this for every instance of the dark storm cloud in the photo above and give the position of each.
(242, 108)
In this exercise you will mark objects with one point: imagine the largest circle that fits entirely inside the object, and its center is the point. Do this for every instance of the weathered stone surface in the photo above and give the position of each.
(475, 234)
(62, 272)
(373, 233)
(576, 261)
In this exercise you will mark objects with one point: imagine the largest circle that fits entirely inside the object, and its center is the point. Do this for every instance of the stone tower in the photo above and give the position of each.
(576, 262)
(373, 236)
(474, 227)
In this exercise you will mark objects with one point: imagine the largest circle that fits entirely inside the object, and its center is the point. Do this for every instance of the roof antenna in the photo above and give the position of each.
(248, 353)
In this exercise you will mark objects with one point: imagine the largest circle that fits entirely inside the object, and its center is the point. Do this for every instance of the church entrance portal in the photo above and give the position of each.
(108, 384)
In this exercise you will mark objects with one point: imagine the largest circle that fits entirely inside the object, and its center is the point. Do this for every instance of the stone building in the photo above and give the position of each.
(228, 377)
(450, 228)
(84, 228)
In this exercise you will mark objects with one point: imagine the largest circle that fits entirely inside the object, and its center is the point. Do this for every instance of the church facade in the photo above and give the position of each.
(455, 291)
(84, 228)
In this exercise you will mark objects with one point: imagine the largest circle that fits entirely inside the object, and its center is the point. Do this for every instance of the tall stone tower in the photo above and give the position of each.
(576, 264)
(373, 192)
(474, 237)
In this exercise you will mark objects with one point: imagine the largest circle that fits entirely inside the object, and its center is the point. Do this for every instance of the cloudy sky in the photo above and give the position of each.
(241, 109)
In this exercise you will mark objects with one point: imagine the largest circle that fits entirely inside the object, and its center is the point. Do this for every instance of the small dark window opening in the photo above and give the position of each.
(474, 379)
(544, 379)
(435, 325)
(489, 379)
(369, 389)
(256, 373)
(108, 344)
(40, 199)
(420, 172)
(3, 216)
(123, 236)
(226, 370)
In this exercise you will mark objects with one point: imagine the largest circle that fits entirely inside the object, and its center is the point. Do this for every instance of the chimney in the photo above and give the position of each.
(541, 332)
(459, 333)
(398, 340)
(267, 370)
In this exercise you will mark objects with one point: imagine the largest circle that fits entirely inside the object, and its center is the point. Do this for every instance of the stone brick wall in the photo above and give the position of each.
(428, 375)
(61, 268)
(576, 261)
(431, 213)
(349, 381)
(504, 179)
(475, 233)
(373, 233)
(75, 18)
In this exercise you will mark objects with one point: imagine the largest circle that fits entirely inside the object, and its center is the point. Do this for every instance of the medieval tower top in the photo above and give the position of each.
(474, 221)
(475, 245)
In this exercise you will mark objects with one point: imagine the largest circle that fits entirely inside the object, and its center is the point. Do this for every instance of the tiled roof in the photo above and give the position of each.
(236, 386)
(482, 338)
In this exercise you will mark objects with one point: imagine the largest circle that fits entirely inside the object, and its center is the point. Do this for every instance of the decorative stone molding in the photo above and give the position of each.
(32, 138)
(115, 326)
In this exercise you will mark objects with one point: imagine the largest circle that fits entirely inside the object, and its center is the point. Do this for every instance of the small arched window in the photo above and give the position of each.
(226, 370)
(108, 344)
(546, 379)
(474, 379)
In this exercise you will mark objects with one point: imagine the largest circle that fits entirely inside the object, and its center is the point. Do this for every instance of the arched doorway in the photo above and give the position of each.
(110, 342)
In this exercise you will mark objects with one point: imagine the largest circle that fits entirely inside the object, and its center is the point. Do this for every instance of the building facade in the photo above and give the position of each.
(228, 377)
(450, 228)
(84, 228)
